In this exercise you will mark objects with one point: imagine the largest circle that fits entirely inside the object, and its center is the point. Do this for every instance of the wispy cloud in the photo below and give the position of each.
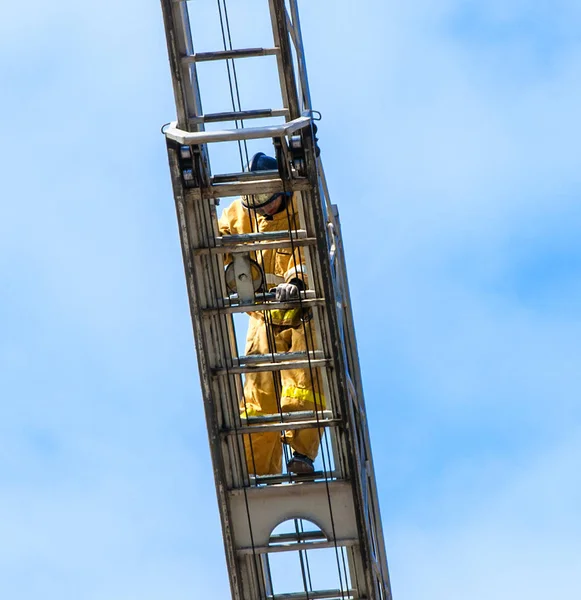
(450, 142)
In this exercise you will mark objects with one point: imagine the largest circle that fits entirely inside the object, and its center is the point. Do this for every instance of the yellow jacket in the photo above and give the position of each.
(280, 265)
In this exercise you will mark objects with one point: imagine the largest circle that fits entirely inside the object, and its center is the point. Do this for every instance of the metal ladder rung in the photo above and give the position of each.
(301, 546)
(243, 115)
(261, 307)
(277, 357)
(227, 54)
(242, 188)
(266, 236)
(292, 478)
(321, 595)
(266, 296)
(279, 366)
(244, 176)
(283, 538)
(295, 547)
(290, 425)
(257, 246)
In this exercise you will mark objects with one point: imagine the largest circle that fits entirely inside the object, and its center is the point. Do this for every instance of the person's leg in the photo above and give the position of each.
(302, 390)
(263, 450)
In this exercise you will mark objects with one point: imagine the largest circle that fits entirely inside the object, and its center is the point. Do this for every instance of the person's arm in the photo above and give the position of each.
(225, 228)
(297, 270)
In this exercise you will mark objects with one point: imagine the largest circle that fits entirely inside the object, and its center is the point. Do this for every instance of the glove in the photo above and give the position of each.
(286, 291)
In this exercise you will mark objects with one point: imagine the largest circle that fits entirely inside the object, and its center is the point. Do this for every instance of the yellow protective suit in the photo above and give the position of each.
(276, 331)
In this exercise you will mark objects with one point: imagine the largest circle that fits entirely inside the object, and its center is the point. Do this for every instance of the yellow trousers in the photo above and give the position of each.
(269, 393)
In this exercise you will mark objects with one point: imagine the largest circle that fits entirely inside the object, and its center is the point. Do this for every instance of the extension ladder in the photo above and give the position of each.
(335, 508)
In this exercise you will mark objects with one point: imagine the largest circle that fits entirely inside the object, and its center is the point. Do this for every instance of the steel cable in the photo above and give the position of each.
(232, 75)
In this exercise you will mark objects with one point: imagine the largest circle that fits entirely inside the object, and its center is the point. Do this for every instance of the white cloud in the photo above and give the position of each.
(465, 153)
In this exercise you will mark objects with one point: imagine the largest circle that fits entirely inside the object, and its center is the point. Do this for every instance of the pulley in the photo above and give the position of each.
(244, 277)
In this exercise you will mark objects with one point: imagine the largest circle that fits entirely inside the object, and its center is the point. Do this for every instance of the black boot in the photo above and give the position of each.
(300, 464)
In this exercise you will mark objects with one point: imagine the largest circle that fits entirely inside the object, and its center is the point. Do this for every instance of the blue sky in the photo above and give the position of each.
(450, 137)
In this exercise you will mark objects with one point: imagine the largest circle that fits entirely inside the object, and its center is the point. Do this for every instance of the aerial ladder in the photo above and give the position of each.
(328, 521)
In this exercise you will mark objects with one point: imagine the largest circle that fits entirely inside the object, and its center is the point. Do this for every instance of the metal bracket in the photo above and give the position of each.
(244, 281)
(188, 138)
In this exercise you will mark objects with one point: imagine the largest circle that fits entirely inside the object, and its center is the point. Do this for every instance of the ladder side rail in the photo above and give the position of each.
(353, 359)
(319, 216)
(288, 85)
(221, 336)
(184, 75)
(297, 37)
(329, 389)
(364, 471)
(354, 371)
(360, 480)
(227, 392)
(196, 296)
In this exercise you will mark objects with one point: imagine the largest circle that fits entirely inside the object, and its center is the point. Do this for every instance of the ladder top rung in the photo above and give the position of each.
(246, 188)
(226, 54)
(241, 115)
(245, 176)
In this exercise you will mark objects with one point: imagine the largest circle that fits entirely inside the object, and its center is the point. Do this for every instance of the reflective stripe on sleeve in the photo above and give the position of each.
(289, 317)
(294, 272)
(249, 411)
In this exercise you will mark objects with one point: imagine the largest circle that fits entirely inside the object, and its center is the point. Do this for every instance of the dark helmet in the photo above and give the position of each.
(260, 162)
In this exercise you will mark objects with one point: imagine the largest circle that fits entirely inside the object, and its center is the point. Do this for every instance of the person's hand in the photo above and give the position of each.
(285, 292)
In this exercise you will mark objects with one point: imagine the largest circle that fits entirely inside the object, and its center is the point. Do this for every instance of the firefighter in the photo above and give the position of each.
(267, 393)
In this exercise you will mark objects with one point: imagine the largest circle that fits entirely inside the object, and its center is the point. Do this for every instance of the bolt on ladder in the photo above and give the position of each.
(336, 506)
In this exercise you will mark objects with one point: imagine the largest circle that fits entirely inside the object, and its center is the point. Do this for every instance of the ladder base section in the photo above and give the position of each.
(328, 505)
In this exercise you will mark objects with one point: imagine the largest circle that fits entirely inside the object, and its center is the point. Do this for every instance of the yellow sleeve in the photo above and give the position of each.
(297, 268)
(225, 227)
(225, 222)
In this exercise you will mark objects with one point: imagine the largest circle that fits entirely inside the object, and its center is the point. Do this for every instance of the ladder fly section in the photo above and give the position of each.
(295, 382)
